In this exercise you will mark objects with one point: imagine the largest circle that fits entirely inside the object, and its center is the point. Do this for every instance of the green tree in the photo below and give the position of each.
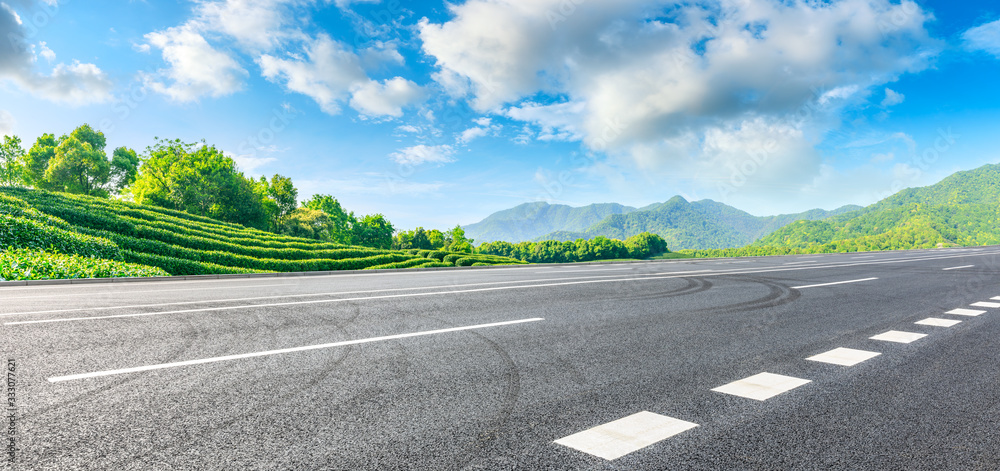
(12, 162)
(124, 169)
(373, 231)
(308, 223)
(37, 160)
(79, 167)
(436, 239)
(342, 221)
(200, 180)
(459, 243)
(284, 194)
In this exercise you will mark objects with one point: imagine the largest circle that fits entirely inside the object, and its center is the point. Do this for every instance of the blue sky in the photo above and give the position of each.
(438, 114)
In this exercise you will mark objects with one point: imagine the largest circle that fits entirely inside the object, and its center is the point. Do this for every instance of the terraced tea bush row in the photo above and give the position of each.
(180, 266)
(29, 264)
(20, 233)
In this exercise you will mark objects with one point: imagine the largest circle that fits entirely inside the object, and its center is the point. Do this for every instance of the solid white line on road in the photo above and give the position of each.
(985, 304)
(898, 337)
(161, 366)
(804, 261)
(862, 256)
(623, 436)
(965, 312)
(844, 356)
(937, 322)
(958, 268)
(762, 386)
(632, 278)
(834, 283)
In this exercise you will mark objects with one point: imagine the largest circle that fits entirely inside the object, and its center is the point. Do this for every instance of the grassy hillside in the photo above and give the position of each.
(56, 235)
(963, 209)
(704, 224)
(531, 220)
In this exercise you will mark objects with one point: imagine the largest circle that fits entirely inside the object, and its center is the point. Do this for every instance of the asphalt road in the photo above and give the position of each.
(516, 368)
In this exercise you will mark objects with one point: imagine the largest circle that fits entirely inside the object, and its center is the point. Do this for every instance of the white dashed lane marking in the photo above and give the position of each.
(899, 337)
(986, 304)
(958, 268)
(623, 436)
(936, 322)
(965, 312)
(762, 386)
(834, 283)
(844, 356)
(241, 356)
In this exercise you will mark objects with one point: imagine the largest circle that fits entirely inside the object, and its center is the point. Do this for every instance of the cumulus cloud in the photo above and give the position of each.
(422, 154)
(255, 24)
(892, 98)
(326, 74)
(985, 37)
(660, 82)
(6, 123)
(75, 84)
(386, 98)
(196, 67)
(472, 134)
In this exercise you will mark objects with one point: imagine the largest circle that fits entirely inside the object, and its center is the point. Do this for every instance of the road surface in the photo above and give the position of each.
(845, 361)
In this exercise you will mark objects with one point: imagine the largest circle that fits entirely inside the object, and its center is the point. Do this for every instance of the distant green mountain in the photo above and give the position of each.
(530, 220)
(963, 209)
(683, 224)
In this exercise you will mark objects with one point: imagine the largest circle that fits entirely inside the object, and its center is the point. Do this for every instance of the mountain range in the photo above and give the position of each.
(962, 209)
(703, 224)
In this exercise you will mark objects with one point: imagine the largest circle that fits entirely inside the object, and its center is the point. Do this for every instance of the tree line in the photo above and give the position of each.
(639, 246)
(197, 178)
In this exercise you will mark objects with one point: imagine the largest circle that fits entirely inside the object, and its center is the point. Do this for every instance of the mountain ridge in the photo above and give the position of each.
(700, 224)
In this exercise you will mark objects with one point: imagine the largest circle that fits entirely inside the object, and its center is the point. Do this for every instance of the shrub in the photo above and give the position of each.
(437, 255)
(20, 233)
(29, 264)
(465, 262)
(452, 257)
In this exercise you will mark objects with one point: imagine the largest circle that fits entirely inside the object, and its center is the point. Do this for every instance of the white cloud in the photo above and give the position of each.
(985, 37)
(661, 82)
(255, 24)
(249, 164)
(484, 121)
(327, 73)
(387, 98)
(892, 98)
(558, 122)
(422, 154)
(74, 84)
(472, 134)
(45, 52)
(196, 68)
(344, 4)
(886, 157)
(7, 123)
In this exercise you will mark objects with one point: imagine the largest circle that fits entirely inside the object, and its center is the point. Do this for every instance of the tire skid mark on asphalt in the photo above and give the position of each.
(694, 285)
(197, 436)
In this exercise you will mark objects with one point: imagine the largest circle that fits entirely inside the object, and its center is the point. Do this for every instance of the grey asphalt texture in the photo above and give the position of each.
(616, 339)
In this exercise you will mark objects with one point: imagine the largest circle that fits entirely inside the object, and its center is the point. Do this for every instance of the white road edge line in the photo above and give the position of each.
(653, 276)
(56, 379)
(834, 283)
(958, 268)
